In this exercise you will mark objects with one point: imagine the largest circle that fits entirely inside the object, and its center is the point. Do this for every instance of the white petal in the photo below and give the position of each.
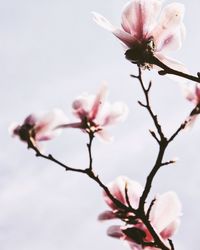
(170, 22)
(103, 22)
(173, 64)
(104, 136)
(45, 127)
(172, 41)
(166, 210)
(125, 37)
(117, 113)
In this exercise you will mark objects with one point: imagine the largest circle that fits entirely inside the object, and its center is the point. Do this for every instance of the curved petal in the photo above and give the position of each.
(82, 105)
(107, 215)
(165, 211)
(125, 37)
(172, 41)
(116, 113)
(135, 246)
(103, 22)
(115, 231)
(104, 136)
(98, 102)
(173, 64)
(170, 229)
(191, 93)
(170, 22)
(138, 17)
(117, 189)
(45, 127)
(31, 119)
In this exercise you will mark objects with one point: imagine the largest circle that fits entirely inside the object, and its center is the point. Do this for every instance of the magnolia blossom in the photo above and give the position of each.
(145, 31)
(39, 127)
(94, 113)
(192, 94)
(164, 215)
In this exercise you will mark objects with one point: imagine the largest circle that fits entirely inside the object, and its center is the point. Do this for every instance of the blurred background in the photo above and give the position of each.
(50, 52)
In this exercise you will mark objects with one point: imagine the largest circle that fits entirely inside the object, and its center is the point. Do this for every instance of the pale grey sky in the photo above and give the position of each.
(50, 52)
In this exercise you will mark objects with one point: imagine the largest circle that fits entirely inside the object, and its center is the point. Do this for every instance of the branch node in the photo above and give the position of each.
(162, 72)
(142, 104)
(149, 86)
(134, 76)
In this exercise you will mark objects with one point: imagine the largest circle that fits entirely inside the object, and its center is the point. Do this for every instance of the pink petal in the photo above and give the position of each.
(172, 41)
(192, 93)
(103, 22)
(115, 231)
(70, 125)
(170, 229)
(125, 37)
(98, 102)
(104, 136)
(31, 119)
(135, 246)
(169, 23)
(165, 211)
(45, 127)
(117, 113)
(117, 189)
(107, 215)
(81, 106)
(138, 17)
(173, 64)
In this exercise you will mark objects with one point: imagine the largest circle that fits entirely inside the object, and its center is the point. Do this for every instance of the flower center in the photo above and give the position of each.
(26, 132)
(141, 53)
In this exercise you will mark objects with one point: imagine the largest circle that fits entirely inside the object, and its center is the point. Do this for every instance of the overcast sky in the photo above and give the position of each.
(50, 52)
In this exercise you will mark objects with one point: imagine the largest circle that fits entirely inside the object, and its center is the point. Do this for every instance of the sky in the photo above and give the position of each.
(50, 52)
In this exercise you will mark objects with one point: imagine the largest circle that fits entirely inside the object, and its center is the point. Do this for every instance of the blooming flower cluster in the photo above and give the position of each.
(164, 214)
(147, 33)
(92, 111)
(144, 34)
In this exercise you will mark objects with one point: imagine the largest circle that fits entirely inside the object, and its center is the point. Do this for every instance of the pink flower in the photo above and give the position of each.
(94, 113)
(39, 127)
(143, 34)
(164, 215)
(192, 94)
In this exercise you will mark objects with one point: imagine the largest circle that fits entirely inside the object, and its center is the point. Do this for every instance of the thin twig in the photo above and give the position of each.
(89, 146)
(51, 158)
(168, 163)
(168, 70)
(171, 244)
(182, 126)
(150, 207)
